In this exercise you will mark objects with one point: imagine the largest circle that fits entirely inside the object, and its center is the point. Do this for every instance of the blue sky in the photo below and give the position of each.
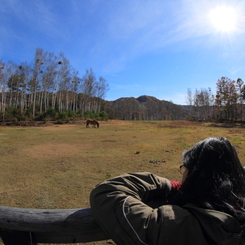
(159, 48)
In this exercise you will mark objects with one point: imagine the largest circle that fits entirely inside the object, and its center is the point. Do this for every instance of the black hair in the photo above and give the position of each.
(216, 178)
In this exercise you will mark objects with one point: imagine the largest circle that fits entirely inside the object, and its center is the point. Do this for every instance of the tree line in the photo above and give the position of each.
(226, 104)
(49, 87)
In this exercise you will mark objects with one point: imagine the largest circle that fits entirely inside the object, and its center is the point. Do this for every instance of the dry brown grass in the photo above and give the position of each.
(57, 166)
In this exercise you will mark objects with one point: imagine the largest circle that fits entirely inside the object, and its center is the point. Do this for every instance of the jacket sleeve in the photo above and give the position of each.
(119, 205)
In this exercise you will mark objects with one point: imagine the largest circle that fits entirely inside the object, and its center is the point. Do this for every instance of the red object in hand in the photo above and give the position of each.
(176, 185)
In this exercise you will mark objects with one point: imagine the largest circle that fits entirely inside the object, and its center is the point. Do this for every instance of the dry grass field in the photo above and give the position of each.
(57, 166)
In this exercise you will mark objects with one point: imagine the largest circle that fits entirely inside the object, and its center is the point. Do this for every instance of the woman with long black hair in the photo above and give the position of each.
(215, 177)
(207, 208)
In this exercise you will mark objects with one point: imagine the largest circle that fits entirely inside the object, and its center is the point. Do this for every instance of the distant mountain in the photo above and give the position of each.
(144, 108)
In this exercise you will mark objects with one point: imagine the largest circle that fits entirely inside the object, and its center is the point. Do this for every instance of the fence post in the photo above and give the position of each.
(12, 237)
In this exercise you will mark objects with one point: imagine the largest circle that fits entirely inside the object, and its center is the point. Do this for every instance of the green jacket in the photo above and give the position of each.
(123, 208)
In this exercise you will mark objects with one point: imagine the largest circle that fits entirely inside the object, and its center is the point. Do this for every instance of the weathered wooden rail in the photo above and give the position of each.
(20, 226)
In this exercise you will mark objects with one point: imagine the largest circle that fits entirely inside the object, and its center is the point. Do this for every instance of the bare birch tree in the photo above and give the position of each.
(241, 94)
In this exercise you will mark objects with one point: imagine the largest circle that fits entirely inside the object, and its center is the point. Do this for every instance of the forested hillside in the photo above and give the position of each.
(144, 108)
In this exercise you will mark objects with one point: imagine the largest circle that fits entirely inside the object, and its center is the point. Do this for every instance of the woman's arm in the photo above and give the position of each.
(120, 207)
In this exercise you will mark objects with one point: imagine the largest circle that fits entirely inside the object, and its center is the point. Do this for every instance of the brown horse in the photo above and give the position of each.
(94, 123)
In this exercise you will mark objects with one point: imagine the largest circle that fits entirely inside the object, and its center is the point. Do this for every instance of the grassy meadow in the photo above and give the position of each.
(57, 166)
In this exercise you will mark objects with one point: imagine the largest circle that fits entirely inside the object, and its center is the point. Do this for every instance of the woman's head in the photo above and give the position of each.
(212, 156)
(215, 175)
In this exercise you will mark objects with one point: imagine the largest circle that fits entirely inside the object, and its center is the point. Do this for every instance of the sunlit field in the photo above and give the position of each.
(57, 166)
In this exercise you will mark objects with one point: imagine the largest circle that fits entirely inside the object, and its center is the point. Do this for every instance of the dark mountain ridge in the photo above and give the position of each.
(144, 107)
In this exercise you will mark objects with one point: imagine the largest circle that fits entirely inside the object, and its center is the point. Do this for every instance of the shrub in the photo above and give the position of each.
(88, 114)
(51, 112)
(72, 114)
(28, 113)
(63, 115)
(12, 113)
(59, 121)
(103, 115)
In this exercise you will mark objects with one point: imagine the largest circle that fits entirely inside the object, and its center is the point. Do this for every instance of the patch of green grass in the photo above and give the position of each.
(237, 140)
(184, 145)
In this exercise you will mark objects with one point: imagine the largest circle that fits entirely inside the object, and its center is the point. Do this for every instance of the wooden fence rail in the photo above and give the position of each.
(20, 226)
